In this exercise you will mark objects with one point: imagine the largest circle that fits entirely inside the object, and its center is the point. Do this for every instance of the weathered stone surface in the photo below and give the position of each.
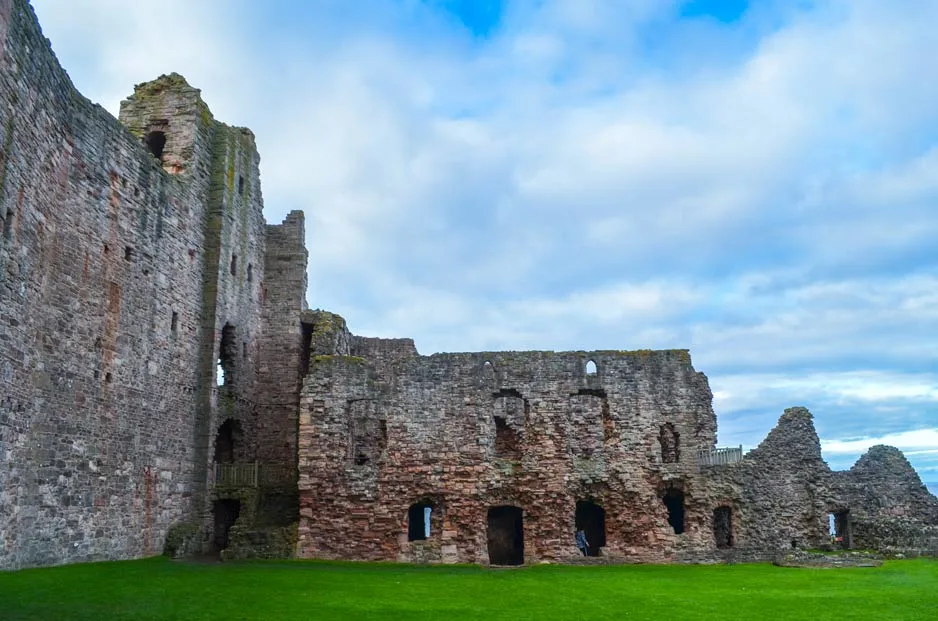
(136, 269)
(466, 433)
(119, 271)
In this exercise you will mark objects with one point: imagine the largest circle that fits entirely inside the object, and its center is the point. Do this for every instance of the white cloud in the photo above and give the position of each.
(566, 184)
(914, 443)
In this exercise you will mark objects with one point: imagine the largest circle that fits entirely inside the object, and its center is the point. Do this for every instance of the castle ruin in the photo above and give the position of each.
(163, 386)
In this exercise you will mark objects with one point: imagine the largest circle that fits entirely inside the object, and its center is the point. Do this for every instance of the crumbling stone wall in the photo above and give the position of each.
(126, 250)
(779, 492)
(782, 495)
(135, 262)
(374, 443)
(890, 509)
(385, 430)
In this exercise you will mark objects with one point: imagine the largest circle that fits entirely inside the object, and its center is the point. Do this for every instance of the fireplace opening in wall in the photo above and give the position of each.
(670, 442)
(506, 439)
(723, 527)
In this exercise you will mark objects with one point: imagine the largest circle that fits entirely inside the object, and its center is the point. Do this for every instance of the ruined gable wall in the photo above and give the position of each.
(890, 509)
(780, 492)
(100, 395)
(783, 492)
(372, 446)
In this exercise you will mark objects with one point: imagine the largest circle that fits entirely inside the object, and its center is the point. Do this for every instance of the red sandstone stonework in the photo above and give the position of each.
(135, 264)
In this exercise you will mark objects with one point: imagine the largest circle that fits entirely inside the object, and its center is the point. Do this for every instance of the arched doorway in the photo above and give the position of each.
(591, 519)
(226, 440)
(506, 535)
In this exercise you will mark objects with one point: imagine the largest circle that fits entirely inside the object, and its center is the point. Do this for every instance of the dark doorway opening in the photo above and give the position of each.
(418, 521)
(156, 141)
(506, 536)
(591, 519)
(226, 514)
(228, 436)
(840, 529)
(674, 501)
(723, 527)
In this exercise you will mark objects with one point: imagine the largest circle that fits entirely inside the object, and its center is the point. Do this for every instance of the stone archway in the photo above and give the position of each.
(226, 441)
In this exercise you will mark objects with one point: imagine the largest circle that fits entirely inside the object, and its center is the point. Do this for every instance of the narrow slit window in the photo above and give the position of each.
(8, 225)
(174, 325)
(234, 264)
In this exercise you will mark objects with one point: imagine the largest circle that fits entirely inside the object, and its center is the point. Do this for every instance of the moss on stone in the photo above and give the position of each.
(180, 539)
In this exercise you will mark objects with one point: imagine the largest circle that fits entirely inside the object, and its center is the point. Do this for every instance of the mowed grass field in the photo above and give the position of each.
(161, 589)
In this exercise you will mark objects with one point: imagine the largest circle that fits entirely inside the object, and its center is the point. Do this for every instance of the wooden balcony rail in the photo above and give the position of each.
(251, 474)
(719, 456)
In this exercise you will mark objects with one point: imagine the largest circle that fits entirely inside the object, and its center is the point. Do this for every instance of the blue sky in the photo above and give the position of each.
(756, 182)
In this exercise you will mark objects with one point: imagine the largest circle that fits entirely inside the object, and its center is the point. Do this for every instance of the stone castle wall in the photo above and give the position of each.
(119, 271)
(385, 430)
(467, 432)
(147, 310)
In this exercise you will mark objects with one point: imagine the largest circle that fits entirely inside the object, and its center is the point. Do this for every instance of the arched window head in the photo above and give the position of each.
(591, 368)
(488, 372)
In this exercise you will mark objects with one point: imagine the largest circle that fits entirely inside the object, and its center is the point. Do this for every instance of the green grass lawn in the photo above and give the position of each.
(162, 589)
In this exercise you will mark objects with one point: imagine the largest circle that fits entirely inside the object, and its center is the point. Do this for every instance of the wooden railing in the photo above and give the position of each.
(719, 456)
(253, 474)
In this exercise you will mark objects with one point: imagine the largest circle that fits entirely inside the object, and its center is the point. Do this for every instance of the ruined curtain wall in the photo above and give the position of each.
(531, 429)
(106, 278)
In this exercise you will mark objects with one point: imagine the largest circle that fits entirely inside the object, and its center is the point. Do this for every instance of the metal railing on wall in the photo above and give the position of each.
(251, 474)
(719, 456)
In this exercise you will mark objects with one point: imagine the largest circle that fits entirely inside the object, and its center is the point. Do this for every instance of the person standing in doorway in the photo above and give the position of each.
(582, 543)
